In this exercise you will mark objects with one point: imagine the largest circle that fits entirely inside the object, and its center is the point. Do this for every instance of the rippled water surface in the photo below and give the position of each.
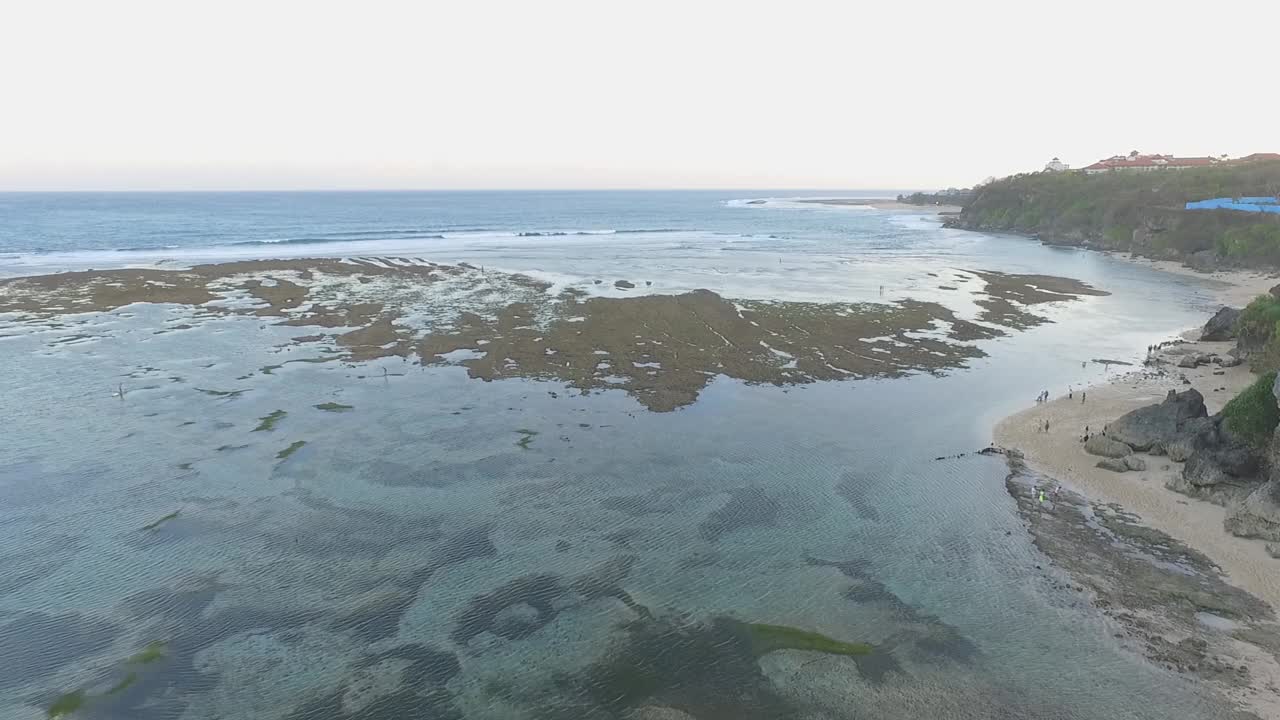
(427, 545)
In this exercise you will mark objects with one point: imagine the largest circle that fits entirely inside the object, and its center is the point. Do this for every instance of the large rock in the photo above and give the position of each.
(1107, 447)
(1258, 516)
(1204, 261)
(1158, 424)
(1202, 471)
(1189, 361)
(1114, 465)
(1222, 326)
(1133, 462)
(1195, 434)
(1220, 473)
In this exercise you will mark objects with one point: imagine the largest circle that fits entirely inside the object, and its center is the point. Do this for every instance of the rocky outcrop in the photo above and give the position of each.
(1220, 467)
(1259, 515)
(1196, 434)
(1123, 464)
(1149, 428)
(1204, 261)
(1106, 447)
(1222, 326)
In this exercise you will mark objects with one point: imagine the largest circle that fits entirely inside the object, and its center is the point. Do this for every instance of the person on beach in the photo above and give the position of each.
(1083, 395)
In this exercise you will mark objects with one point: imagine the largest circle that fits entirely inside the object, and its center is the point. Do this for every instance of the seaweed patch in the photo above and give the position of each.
(268, 422)
(295, 447)
(332, 407)
(161, 521)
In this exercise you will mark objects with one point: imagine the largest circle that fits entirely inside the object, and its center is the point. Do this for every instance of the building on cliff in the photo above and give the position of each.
(1056, 165)
(1137, 162)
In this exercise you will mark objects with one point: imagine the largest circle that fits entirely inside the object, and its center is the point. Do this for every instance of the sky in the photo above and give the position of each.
(275, 94)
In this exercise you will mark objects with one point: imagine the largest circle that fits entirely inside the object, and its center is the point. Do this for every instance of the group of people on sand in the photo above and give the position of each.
(1043, 397)
(1087, 434)
(1037, 492)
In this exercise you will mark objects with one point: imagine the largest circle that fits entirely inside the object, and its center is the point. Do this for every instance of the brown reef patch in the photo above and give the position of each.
(661, 349)
(1009, 294)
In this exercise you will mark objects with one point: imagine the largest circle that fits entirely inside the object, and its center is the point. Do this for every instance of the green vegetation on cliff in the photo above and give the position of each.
(1253, 414)
(1137, 211)
(1258, 333)
(952, 196)
(1257, 322)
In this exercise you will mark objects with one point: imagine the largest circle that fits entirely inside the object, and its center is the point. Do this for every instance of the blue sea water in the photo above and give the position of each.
(124, 221)
(412, 559)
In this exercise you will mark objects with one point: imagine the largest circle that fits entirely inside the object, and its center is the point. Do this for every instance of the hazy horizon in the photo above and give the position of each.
(148, 96)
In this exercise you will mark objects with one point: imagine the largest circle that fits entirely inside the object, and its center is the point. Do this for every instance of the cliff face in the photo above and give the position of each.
(1139, 212)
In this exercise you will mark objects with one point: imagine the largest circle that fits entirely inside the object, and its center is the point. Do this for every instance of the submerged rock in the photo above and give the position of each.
(1222, 326)
(658, 712)
(1153, 425)
(516, 620)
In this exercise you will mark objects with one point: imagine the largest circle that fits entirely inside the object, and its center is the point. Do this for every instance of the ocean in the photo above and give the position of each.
(404, 540)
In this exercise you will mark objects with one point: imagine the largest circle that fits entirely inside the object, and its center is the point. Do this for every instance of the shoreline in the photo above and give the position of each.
(1155, 617)
(1061, 455)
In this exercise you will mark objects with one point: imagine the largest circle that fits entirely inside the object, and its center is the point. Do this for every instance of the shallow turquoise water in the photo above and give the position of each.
(413, 528)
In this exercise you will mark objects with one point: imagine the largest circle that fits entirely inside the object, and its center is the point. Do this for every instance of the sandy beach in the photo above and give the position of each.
(1060, 453)
(1232, 287)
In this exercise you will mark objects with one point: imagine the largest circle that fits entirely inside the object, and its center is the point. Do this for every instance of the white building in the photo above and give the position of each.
(1056, 165)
